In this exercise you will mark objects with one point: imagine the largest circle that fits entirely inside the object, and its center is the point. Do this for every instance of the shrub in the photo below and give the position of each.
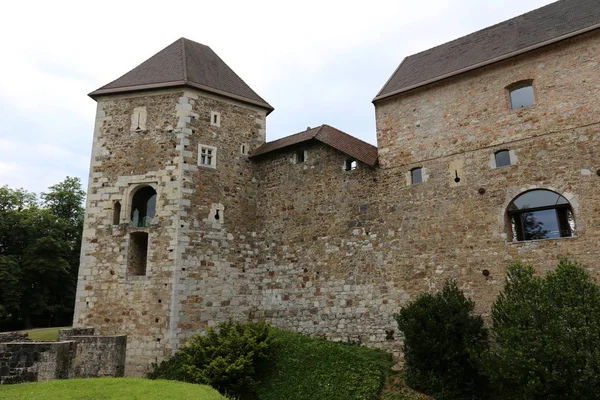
(305, 367)
(225, 358)
(547, 335)
(442, 340)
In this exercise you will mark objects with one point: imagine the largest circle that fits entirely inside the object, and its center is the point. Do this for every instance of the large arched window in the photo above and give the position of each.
(143, 206)
(540, 214)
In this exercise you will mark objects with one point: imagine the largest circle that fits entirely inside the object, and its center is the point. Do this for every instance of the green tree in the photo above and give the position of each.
(442, 340)
(39, 253)
(546, 335)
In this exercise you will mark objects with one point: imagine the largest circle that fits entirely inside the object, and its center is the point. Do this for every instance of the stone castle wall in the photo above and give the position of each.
(323, 251)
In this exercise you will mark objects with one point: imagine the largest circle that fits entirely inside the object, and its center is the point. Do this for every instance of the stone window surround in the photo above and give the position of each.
(296, 158)
(215, 119)
(350, 164)
(511, 153)
(149, 254)
(213, 163)
(424, 175)
(514, 192)
(521, 83)
(127, 200)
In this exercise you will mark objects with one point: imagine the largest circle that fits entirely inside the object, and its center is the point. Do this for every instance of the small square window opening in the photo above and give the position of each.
(522, 96)
(502, 158)
(350, 165)
(416, 175)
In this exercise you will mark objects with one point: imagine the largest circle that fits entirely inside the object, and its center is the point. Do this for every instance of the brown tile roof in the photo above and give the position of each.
(355, 148)
(546, 25)
(185, 63)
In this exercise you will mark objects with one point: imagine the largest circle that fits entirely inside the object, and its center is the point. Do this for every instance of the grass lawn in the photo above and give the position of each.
(310, 368)
(108, 389)
(44, 334)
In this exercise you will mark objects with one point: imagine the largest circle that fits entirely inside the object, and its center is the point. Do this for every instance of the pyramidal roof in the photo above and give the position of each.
(185, 63)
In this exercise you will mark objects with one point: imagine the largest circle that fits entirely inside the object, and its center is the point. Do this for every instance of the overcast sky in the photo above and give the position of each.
(314, 61)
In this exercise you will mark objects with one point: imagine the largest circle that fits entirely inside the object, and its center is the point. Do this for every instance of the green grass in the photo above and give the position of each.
(44, 334)
(311, 368)
(108, 389)
(396, 389)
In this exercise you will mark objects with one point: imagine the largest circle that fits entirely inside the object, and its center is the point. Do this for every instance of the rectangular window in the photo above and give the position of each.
(215, 119)
(416, 175)
(207, 156)
(350, 165)
(137, 258)
(522, 96)
(299, 157)
(502, 158)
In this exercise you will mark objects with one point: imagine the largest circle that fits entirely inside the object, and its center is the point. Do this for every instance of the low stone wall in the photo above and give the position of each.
(76, 354)
(96, 355)
(35, 361)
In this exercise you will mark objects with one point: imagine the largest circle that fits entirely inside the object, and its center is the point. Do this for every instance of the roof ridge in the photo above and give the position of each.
(184, 59)
(349, 135)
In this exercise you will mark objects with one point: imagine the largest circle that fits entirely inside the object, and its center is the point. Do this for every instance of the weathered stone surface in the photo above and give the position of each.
(32, 362)
(323, 251)
(14, 337)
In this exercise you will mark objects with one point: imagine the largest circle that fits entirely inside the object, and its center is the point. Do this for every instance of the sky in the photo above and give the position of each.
(314, 61)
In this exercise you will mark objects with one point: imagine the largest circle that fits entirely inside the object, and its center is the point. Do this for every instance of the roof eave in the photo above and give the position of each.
(138, 88)
(485, 63)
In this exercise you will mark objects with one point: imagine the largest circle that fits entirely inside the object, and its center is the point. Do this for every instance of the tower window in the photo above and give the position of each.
(116, 213)
(521, 94)
(502, 158)
(540, 214)
(143, 207)
(416, 175)
(299, 156)
(350, 165)
(244, 149)
(215, 119)
(207, 156)
(137, 257)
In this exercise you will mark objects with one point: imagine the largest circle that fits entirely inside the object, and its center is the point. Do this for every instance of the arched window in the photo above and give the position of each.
(143, 206)
(521, 94)
(540, 214)
(116, 213)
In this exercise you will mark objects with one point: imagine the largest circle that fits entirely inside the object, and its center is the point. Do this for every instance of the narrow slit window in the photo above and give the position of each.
(116, 213)
(521, 95)
(215, 118)
(416, 175)
(137, 259)
(502, 158)
(350, 165)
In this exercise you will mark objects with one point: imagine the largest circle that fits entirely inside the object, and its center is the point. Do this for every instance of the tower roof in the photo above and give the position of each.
(185, 63)
(546, 25)
(341, 141)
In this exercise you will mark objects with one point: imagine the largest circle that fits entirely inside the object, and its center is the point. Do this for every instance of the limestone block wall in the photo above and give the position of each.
(137, 142)
(218, 221)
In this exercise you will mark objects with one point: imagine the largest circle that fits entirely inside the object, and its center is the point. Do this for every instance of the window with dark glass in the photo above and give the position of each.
(502, 158)
(350, 165)
(521, 95)
(540, 214)
(416, 175)
(143, 207)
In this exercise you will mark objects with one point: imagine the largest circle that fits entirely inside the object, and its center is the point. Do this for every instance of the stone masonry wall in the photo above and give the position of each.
(377, 247)
(33, 362)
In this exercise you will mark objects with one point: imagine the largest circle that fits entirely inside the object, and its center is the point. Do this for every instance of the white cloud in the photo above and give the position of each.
(314, 61)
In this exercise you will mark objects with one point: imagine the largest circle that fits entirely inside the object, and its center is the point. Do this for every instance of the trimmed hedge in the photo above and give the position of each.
(304, 367)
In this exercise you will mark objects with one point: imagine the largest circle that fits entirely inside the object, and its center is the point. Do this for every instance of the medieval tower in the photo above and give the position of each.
(487, 152)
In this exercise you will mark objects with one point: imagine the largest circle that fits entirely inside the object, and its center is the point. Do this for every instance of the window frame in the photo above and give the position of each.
(516, 222)
(412, 175)
(517, 86)
(213, 156)
(510, 161)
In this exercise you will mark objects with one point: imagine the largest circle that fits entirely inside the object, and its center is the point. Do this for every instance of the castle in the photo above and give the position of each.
(488, 151)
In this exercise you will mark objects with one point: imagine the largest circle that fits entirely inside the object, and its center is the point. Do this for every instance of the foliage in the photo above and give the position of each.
(442, 339)
(313, 368)
(396, 388)
(225, 358)
(547, 334)
(39, 254)
(108, 389)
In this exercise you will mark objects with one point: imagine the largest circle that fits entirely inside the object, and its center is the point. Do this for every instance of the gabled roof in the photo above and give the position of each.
(541, 27)
(341, 141)
(185, 63)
